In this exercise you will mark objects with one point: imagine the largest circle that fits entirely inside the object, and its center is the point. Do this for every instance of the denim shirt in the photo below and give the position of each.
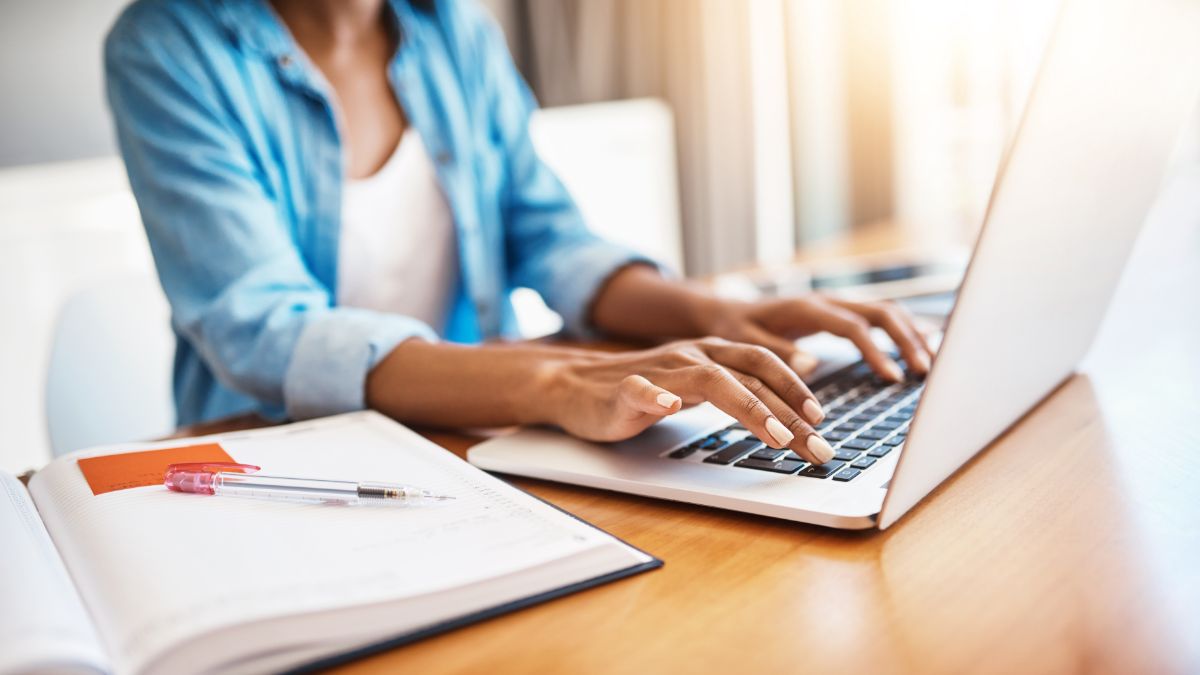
(232, 145)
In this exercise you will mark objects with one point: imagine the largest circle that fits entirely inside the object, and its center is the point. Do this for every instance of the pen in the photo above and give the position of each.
(229, 479)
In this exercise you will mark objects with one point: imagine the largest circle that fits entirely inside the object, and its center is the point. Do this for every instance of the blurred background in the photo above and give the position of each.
(737, 133)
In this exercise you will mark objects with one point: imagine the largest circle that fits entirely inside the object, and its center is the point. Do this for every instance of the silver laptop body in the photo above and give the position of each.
(1118, 80)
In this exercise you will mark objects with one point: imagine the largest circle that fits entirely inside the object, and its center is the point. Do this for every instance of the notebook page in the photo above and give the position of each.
(319, 635)
(157, 567)
(43, 624)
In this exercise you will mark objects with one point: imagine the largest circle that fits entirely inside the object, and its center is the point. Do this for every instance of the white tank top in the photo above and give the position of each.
(397, 248)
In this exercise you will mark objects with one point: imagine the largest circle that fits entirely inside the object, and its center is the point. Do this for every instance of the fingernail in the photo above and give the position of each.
(921, 363)
(819, 448)
(803, 363)
(812, 411)
(893, 371)
(779, 432)
(667, 400)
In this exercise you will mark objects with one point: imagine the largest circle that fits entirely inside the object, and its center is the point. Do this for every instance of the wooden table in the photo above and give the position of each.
(1071, 545)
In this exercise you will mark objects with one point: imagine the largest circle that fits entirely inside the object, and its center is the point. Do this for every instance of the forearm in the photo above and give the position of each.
(596, 396)
(638, 302)
(449, 385)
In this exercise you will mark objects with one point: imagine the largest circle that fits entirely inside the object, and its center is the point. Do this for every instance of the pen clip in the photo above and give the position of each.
(210, 467)
(198, 476)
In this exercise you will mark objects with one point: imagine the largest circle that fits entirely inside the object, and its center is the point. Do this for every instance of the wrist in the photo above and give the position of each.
(541, 395)
(703, 312)
(711, 316)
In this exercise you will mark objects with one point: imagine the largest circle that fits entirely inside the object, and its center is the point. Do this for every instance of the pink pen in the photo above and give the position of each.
(229, 479)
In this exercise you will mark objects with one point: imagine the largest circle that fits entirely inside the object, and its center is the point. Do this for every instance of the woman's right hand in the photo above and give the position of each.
(612, 397)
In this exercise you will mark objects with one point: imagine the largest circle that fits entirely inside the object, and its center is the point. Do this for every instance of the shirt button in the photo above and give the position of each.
(285, 61)
(443, 157)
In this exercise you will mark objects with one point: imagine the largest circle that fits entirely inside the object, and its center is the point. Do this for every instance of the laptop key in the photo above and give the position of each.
(880, 451)
(835, 435)
(864, 462)
(895, 440)
(874, 434)
(822, 470)
(767, 454)
(680, 453)
(734, 452)
(860, 369)
(844, 455)
(858, 444)
(847, 474)
(782, 466)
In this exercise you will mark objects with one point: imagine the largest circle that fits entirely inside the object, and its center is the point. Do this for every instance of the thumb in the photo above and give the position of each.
(801, 361)
(639, 394)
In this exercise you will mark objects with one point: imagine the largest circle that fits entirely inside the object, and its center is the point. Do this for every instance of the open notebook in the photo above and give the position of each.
(144, 580)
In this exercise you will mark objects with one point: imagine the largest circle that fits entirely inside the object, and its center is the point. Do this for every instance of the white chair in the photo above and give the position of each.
(109, 379)
(64, 226)
(618, 161)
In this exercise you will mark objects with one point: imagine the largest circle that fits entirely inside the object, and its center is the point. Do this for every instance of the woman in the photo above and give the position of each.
(339, 196)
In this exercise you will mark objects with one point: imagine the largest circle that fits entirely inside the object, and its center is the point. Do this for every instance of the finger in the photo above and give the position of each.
(770, 369)
(921, 358)
(928, 333)
(912, 345)
(806, 442)
(716, 384)
(847, 324)
(800, 361)
(898, 324)
(641, 395)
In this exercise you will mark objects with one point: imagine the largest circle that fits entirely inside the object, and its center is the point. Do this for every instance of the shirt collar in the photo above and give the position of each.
(254, 24)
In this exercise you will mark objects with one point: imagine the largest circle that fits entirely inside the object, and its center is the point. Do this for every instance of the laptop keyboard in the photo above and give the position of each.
(866, 418)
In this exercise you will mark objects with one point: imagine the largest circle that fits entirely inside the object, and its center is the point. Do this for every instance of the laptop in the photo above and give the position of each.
(1117, 82)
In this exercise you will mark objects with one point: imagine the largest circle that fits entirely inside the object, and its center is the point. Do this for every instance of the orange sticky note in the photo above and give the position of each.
(137, 469)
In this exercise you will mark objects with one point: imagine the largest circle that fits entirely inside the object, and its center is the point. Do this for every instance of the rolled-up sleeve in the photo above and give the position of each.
(240, 291)
(549, 246)
(334, 353)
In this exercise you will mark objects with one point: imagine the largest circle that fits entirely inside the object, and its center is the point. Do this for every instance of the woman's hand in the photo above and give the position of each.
(639, 303)
(776, 324)
(610, 397)
(595, 395)
(751, 370)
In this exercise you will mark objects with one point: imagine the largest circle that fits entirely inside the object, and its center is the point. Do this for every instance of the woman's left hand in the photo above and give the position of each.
(776, 324)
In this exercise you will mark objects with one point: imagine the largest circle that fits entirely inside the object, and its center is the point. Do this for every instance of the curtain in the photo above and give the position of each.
(797, 119)
(694, 54)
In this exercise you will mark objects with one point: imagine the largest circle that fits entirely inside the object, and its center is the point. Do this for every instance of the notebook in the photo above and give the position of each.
(101, 574)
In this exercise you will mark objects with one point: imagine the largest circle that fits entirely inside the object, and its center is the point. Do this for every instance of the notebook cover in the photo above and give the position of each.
(490, 613)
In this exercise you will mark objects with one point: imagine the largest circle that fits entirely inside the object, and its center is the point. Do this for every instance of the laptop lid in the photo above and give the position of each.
(1117, 82)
